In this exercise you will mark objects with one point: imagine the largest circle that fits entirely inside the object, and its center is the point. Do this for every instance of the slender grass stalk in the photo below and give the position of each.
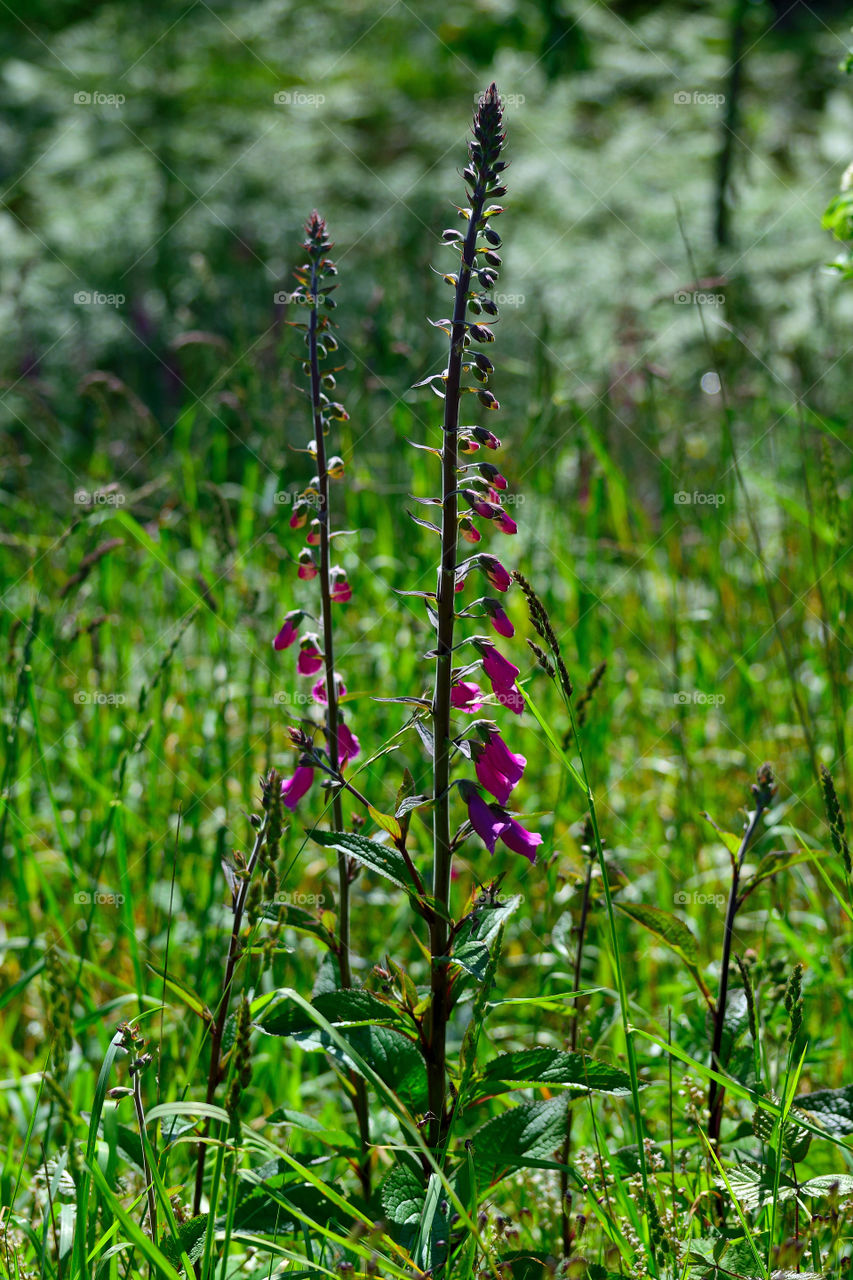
(558, 672)
(139, 1108)
(763, 789)
(755, 532)
(214, 1076)
(484, 153)
(565, 1208)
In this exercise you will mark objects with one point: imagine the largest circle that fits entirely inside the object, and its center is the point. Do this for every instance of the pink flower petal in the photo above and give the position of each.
(293, 789)
(466, 696)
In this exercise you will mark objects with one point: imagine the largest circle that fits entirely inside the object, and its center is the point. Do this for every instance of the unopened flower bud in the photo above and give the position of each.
(307, 567)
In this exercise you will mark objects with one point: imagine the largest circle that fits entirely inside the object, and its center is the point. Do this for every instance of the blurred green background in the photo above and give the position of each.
(662, 241)
(180, 191)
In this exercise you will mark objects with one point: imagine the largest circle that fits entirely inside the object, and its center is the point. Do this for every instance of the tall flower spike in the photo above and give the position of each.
(317, 655)
(468, 371)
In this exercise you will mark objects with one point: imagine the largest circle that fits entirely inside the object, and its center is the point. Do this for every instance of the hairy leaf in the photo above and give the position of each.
(529, 1132)
(551, 1067)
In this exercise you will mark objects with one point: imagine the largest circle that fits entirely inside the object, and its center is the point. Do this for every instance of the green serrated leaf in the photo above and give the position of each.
(393, 1056)
(473, 957)
(190, 1240)
(552, 1067)
(531, 1131)
(381, 858)
(828, 1184)
(832, 1108)
(754, 1186)
(403, 1193)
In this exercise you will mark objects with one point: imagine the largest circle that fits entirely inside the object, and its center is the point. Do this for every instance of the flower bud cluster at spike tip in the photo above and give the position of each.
(311, 513)
(480, 486)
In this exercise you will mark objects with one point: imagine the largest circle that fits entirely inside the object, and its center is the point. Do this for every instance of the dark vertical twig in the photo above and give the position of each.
(763, 790)
(481, 175)
(722, 216)
(214, 1076)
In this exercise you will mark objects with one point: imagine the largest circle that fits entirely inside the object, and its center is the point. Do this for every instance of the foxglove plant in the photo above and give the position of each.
(481, 486)
(317, 651)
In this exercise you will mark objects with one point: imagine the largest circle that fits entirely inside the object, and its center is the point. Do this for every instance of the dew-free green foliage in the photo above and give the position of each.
(675, 432)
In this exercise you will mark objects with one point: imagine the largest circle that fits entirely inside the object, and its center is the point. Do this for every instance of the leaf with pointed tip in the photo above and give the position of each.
(425, 734)
(386, 821)
(186, 994)
(778, 860)
(729, 839)
(549, 1067)
(673, 932)
(380, 858)
(351, 1006)
(418, 702)
(409, 803)
(425, 524)
(667, 927)
(425, 448)
(754, 1186)
(828, 1184)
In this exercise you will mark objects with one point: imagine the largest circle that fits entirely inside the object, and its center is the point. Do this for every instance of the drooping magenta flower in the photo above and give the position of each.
(310, 658)
(318, 691)
(480, 505)
(487, 824)
(466, 696)
(341, 589)
(497, 616)
(520, 840)
(313, 535)
(289, 630)
(501, 672)
(348, 745)
(468, 530)
(498, 769)
(495, 572)
(512, 699)
(307, 567)
(293, 789)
